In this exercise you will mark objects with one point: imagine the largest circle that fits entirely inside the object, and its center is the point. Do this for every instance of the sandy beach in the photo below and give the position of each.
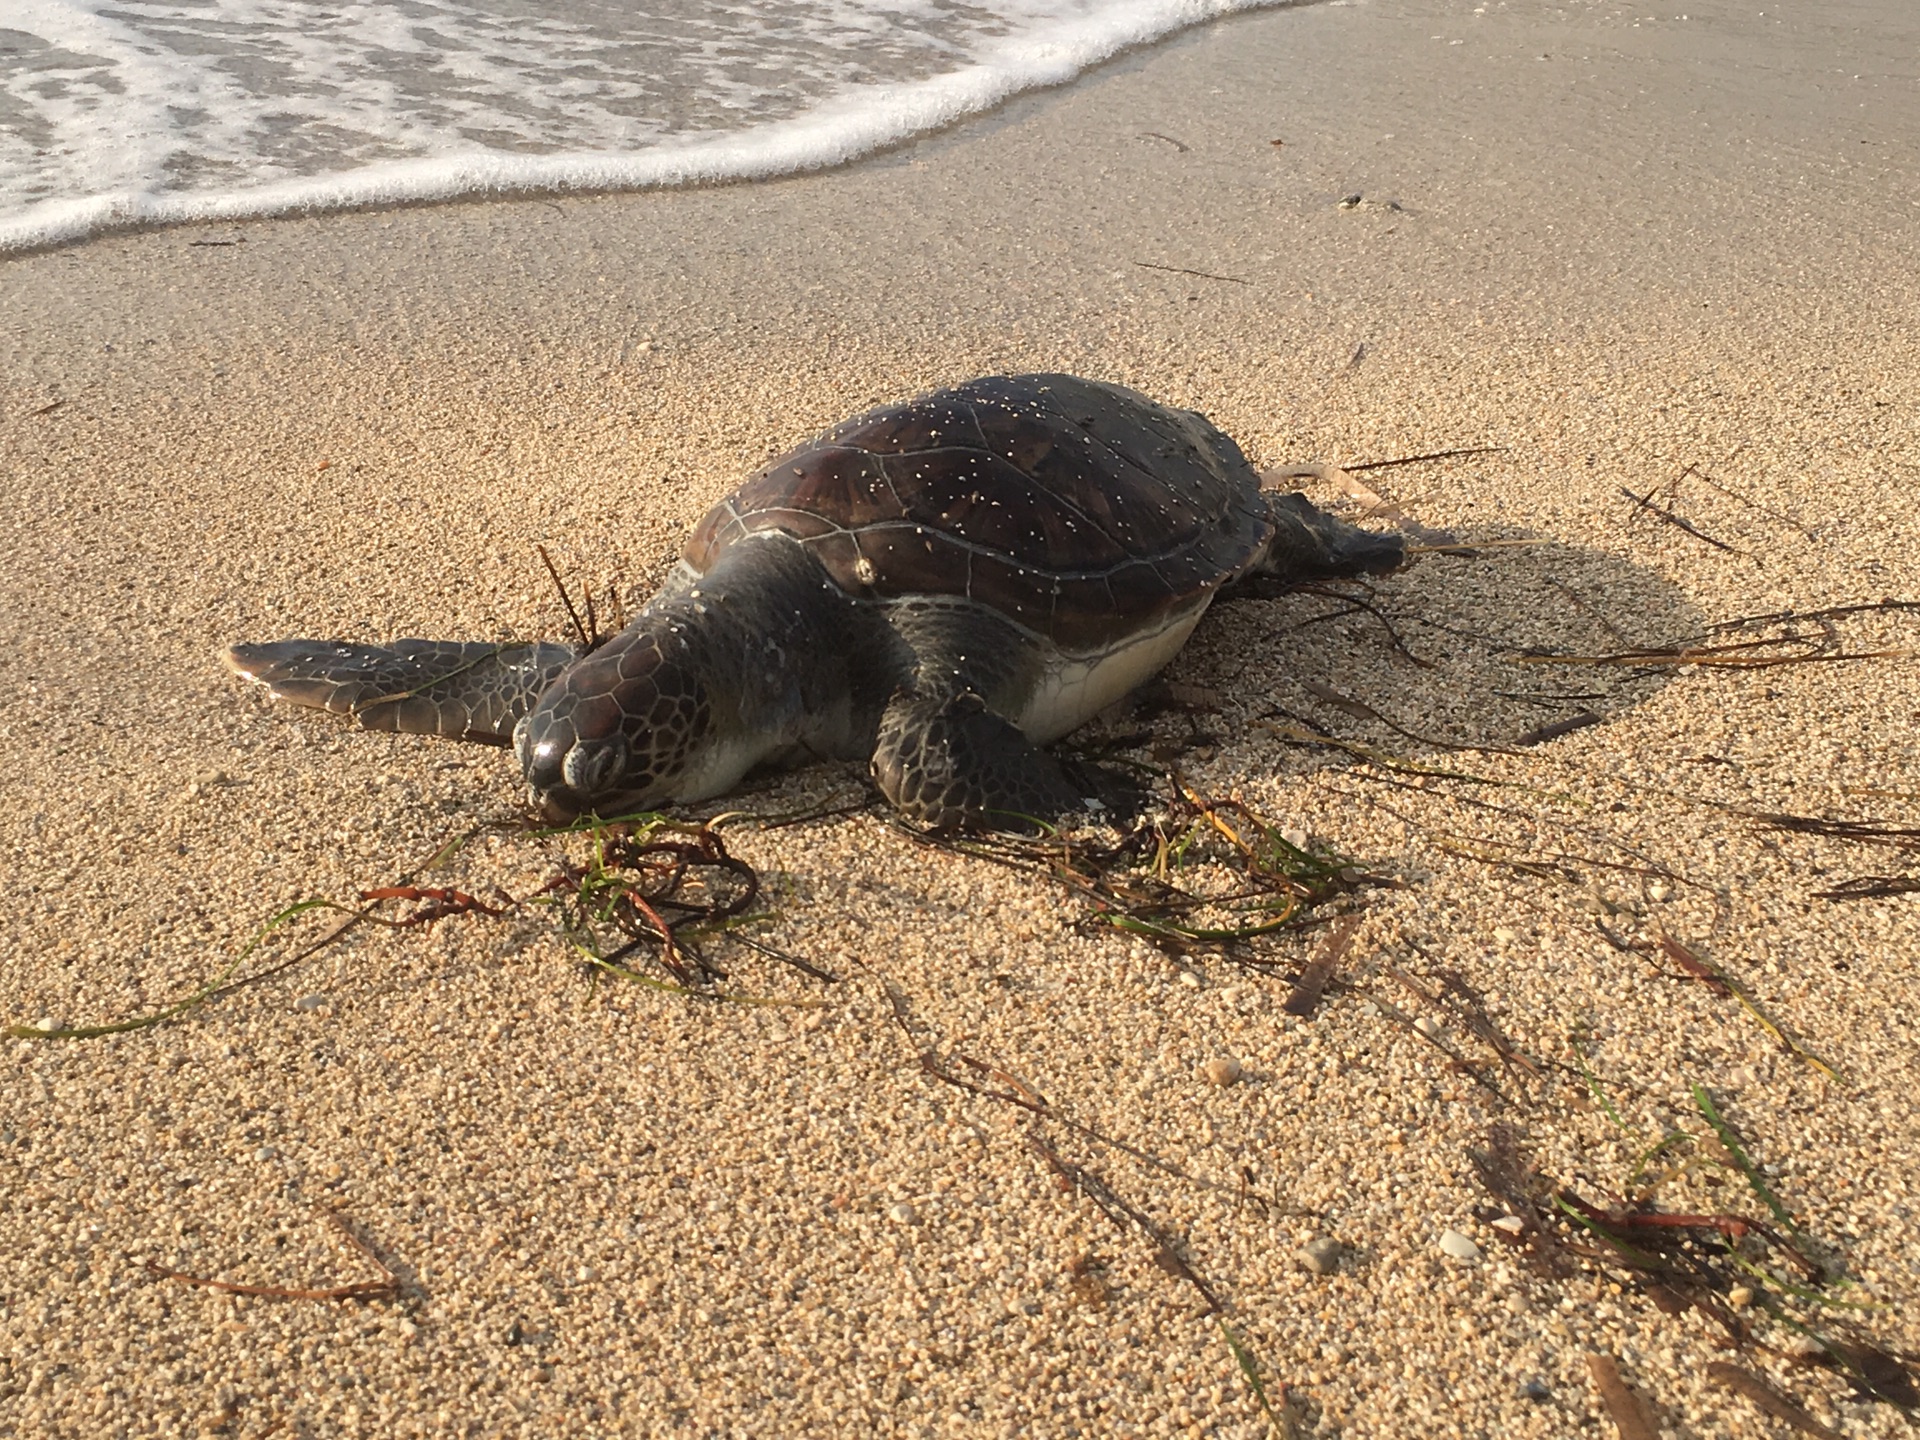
(1659, 267)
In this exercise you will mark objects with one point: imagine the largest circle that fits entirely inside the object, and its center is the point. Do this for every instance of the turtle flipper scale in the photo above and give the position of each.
(456, 689)
(946, 760)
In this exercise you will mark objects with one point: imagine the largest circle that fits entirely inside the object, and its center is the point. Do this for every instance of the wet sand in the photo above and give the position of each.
(1635, 253)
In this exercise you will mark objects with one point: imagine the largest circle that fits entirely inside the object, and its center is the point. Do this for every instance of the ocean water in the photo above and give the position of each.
(129, 112)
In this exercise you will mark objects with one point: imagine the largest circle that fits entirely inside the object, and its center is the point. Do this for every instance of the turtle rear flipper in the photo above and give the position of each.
(456, 689)
(1310, 544)
(947, 760)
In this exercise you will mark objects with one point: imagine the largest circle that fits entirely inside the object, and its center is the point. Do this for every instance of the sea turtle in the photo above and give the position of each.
(939, 587)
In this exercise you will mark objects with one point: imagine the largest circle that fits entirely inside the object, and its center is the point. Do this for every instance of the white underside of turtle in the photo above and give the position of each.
(939, 587)
(1075, 688)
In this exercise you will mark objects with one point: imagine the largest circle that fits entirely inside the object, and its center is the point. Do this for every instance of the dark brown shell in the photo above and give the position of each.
(1083, 511)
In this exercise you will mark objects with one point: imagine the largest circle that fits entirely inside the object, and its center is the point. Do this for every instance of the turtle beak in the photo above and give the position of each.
(543, 762)
(527, 751)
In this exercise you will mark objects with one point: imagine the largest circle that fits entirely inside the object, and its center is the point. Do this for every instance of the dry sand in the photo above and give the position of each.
(1617, 244)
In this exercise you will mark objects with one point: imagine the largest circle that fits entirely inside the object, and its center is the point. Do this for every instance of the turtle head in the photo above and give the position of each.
(625, 728)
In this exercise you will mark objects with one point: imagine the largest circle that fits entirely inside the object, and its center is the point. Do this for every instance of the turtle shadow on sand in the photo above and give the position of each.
(1455, 652)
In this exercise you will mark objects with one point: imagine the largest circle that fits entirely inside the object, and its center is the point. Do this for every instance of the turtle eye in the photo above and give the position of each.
(592, 766)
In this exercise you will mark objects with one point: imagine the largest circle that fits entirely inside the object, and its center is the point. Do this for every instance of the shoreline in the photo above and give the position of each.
(844, 128)
(1633, 266)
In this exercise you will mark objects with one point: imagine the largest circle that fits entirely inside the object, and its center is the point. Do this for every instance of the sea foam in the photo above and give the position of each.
(116, 113)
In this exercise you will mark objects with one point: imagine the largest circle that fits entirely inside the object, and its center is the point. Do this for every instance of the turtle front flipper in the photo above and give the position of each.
(456, 689)
(947, 760)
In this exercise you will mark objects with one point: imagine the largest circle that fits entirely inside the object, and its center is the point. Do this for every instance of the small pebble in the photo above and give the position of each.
(1659, 890)
(309, 1002)
(1322, 1254)
(586, 1275)
(1536, 1390)
(901, 1212)
(1223, 1071)
(1512, 1224)
(1349, 202)
(49, 1022)
(1190, 979)
(1428, 1027)
(1453, 1243)
(265, 1152)
(1740, 1297)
